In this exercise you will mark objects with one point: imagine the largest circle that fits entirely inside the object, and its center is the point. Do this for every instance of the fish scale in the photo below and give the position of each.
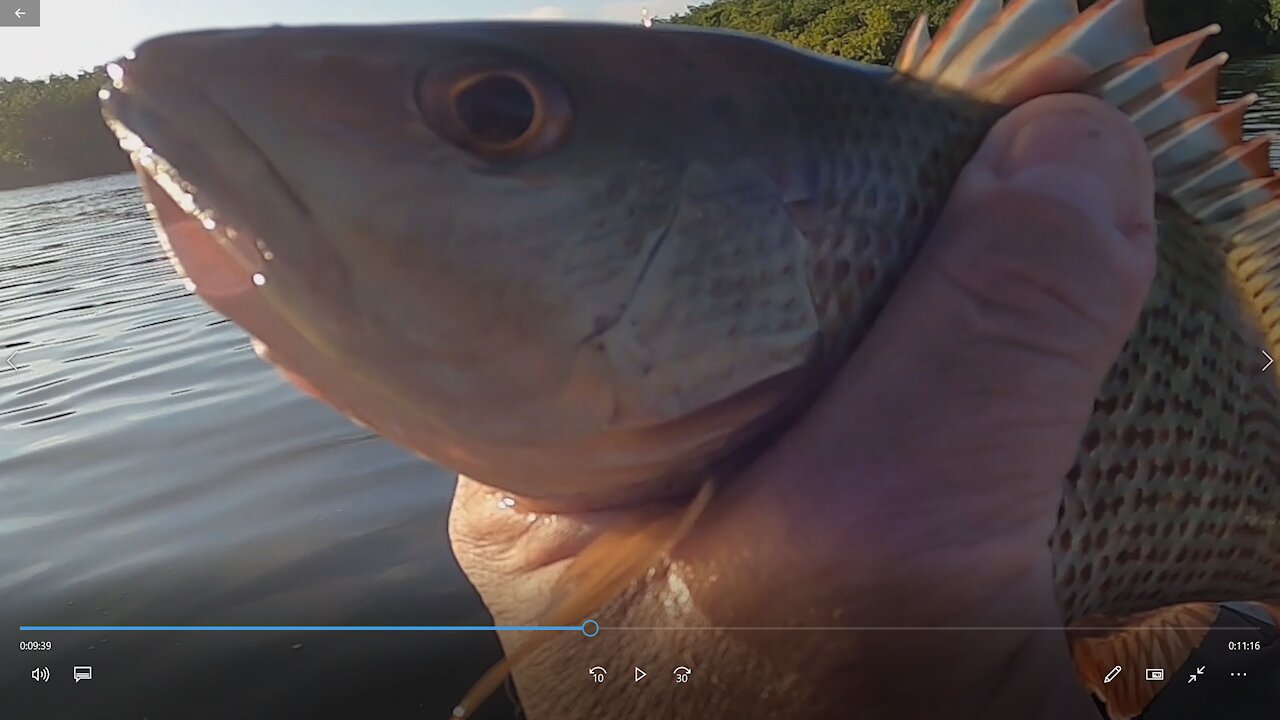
(1186, 417)
(861, 210)
(1173, 497)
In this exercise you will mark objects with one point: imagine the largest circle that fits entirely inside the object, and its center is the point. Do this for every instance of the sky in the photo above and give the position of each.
(79, 34)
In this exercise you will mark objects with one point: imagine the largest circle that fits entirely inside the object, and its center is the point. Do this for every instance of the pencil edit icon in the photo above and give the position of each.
(1111, 675)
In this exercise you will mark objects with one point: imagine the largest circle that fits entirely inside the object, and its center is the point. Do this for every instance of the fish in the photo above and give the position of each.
(598, 266)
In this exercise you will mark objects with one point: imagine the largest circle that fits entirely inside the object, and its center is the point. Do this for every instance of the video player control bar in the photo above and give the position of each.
(19, 13)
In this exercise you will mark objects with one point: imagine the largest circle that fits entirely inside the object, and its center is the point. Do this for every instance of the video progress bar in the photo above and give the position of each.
(590, 628)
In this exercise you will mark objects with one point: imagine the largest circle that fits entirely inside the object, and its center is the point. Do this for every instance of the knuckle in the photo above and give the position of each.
(1039, 268)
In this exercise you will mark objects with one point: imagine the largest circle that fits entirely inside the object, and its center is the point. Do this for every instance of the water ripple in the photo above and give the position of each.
(154, 470)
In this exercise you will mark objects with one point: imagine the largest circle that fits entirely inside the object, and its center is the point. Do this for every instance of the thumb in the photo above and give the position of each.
(982, 369)
(924, 483)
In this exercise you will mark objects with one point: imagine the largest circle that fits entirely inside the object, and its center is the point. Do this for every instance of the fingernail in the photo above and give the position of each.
(1074, 155)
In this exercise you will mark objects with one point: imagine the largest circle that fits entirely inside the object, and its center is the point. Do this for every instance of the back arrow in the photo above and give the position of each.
(640, 674)
(1270, 361)
(10, 361)
(19, 12)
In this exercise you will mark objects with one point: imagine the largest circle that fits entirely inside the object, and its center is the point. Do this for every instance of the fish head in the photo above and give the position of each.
(506, 245)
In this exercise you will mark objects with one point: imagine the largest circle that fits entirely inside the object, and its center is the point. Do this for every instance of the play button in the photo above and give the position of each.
(640, 674)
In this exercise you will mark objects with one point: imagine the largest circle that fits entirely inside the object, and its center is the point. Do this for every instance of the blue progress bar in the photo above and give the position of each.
(590, 628)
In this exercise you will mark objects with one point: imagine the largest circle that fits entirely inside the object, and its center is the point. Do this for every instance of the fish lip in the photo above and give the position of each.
(157, 147)
(136, 129)
(208, 227)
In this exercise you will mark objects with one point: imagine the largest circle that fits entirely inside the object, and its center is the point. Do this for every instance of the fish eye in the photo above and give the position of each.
(496, 113)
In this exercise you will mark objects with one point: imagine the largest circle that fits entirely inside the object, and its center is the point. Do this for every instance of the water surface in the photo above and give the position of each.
(153, 470)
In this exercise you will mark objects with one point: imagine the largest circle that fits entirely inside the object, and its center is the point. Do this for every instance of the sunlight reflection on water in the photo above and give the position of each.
(155, 471)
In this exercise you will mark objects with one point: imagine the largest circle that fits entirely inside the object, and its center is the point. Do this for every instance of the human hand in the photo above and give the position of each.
(919, 492)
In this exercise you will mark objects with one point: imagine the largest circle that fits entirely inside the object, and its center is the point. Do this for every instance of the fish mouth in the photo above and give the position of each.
(206, 226)
(223, 209)
(186, 151)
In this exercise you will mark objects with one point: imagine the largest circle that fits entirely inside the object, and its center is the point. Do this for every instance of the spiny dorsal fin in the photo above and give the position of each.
(1196, 140)
(1125, 81)
(1023, 26)
(1106, 34)
(915, 46)
(1199, 157)
(964, 24)
(1237, 164)
(599, 573)
(1178, 99)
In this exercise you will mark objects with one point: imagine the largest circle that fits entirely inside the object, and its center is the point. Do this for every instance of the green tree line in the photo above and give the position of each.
(871, 30)
(51, 129)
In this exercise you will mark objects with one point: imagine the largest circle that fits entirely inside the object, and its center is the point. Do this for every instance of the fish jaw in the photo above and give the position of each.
(212, 216)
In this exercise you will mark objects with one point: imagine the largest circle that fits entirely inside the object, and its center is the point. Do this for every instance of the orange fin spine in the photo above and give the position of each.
(1194, 141)
(1256, 228)
(1235, 200)
(1023, 25)
(1178, 99)
(915, 46)
(1125, 81)
(964, 24)
(1237, 164)
(1102, 36)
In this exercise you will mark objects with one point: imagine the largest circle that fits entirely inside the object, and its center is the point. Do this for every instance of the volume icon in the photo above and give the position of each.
(40, 674)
